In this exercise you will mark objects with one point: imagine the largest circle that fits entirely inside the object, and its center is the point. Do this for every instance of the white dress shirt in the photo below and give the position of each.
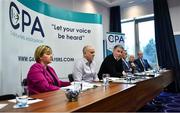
(85, 71)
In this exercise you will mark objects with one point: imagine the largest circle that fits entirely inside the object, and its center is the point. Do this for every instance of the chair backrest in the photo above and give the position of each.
(7, 97)
(70, 76)
(24, 84)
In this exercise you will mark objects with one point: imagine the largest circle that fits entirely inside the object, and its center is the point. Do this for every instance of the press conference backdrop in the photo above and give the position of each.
(177, 40)
(112, 39)
(30, 23)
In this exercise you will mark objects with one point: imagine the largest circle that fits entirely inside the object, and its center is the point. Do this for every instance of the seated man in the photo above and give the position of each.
(126, 65)
(112, 64)
(142, 64)
(42, 77)
(84, 69)
(132, 64)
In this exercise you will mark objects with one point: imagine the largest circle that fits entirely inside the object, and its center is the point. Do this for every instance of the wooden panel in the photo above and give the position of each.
(149, 89)
(56, 101)
(168, 77)
(115, 97)
(123, 101)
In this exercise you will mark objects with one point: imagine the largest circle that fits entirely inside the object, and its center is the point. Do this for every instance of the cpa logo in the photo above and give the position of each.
(16, 22)
(115, 38)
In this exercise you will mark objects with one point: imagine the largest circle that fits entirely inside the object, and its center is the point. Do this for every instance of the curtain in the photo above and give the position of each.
(165, 42)
(115, 19)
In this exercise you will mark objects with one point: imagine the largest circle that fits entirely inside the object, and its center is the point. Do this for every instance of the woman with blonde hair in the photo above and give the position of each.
(42, 77)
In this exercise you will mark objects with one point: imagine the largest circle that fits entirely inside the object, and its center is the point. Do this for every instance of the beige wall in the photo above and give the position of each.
(85, 6)
(142, 9)
(1, 11)
(174, 9)
(136, 11)
(88, 6)
(147, 9)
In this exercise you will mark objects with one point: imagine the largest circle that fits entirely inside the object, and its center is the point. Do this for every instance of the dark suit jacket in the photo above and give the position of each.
(111, 66)
(140, 66)
(126, 66)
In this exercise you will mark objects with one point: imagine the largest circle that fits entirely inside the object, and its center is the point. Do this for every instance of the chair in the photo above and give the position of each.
(24, 82)
(70, 77)
(7, 97)
(24, 85)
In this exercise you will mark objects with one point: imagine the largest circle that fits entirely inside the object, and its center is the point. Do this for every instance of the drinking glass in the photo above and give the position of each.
(129, 77)
(22, 98)
(77, 86)
(105, 78)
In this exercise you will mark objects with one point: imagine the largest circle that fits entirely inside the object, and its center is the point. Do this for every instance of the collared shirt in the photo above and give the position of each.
(85, 71)
(116, 58)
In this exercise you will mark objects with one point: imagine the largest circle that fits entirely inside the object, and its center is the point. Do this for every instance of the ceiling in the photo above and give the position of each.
(122, 3)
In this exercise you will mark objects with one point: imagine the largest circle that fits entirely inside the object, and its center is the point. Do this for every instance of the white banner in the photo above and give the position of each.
(114, 38)
(33, 23)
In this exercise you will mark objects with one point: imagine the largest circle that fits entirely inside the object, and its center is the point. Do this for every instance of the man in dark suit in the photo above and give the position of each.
(125, 64)
(112, 64)
(142, 64)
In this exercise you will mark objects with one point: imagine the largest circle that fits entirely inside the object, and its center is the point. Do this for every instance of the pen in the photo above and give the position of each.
(31, 98)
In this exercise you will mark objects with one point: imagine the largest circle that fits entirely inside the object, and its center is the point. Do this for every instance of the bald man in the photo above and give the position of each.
(132, 64)
(142, 63)
(85, 68)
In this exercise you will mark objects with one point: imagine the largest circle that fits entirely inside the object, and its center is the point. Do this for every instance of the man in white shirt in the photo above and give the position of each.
(84, 69)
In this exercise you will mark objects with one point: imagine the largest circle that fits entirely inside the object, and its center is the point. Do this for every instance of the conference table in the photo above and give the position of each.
(116, 97)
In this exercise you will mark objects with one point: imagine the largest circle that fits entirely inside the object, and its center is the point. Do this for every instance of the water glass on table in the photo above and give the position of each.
(129, 77)
(105, 78)
(22, 99)
(78, 85)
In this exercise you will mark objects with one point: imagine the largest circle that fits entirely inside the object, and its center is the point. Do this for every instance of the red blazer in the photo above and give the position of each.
(39, 79)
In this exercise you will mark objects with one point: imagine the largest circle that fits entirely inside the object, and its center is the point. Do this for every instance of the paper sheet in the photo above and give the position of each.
(85, 86)
(3, 105)
(30, 100)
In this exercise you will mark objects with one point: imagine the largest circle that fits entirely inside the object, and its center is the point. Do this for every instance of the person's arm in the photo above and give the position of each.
(149, 66)
(137, 65)
(95, 78)
(78, 71)
(37, 80)
(61, 83)
(102, 69)
(121, 69)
